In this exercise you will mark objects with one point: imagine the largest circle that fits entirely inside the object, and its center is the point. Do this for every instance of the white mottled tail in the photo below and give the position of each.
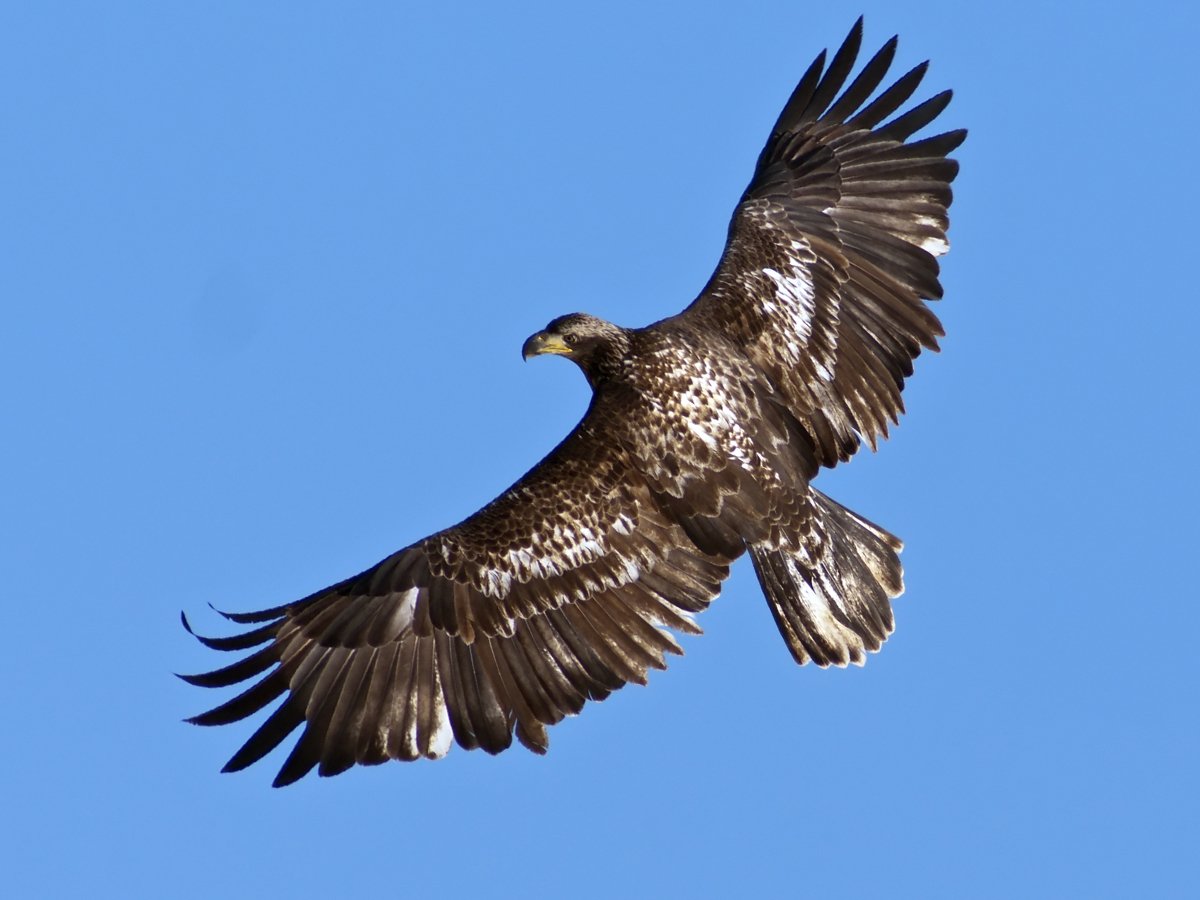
(831, 595)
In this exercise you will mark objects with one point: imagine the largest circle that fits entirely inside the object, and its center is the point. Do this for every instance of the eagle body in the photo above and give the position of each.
(703, 436)
(680, 420)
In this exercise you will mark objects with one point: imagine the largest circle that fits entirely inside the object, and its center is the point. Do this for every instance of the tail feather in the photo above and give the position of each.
(830, 593)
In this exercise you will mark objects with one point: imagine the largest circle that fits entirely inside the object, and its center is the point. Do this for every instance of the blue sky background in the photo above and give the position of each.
(266, 270)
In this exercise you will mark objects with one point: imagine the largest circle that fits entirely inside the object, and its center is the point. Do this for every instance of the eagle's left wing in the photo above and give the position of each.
(831, 250)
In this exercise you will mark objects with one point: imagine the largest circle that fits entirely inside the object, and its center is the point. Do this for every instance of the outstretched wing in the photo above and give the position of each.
(831, 251)
(555, 593)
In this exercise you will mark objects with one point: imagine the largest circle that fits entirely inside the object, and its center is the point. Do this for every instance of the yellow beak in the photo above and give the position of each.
(542, 343)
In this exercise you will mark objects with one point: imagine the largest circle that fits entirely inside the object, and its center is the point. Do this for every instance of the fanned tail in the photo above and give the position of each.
(831, 594)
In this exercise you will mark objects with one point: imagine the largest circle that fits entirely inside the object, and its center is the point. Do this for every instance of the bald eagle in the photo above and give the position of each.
(701, 441)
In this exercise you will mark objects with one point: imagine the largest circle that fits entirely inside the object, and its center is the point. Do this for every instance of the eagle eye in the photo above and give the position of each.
(570, 338)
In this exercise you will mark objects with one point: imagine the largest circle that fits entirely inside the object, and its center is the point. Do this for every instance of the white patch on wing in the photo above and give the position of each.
(496, 583)
(443, 737)
(795, 292)
(400, 616)
(796, 306)
(936, 246)
(443, 734)
(521, 559)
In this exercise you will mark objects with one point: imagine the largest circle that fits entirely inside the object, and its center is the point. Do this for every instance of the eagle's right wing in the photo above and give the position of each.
(831, 250)
(557, 592)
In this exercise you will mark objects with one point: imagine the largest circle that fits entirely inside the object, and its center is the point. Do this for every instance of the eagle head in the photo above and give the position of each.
(596, 346)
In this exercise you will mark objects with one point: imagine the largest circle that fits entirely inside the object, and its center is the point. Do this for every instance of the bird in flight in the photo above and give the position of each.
(703, 436)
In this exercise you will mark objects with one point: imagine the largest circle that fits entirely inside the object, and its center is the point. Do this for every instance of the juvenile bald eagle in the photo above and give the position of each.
(702, 438)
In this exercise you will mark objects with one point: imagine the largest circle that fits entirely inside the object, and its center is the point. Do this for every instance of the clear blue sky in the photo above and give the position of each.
(265, 276)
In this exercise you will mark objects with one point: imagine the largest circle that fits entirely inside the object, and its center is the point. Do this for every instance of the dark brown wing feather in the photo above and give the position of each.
(556, 593)
(831, 250)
